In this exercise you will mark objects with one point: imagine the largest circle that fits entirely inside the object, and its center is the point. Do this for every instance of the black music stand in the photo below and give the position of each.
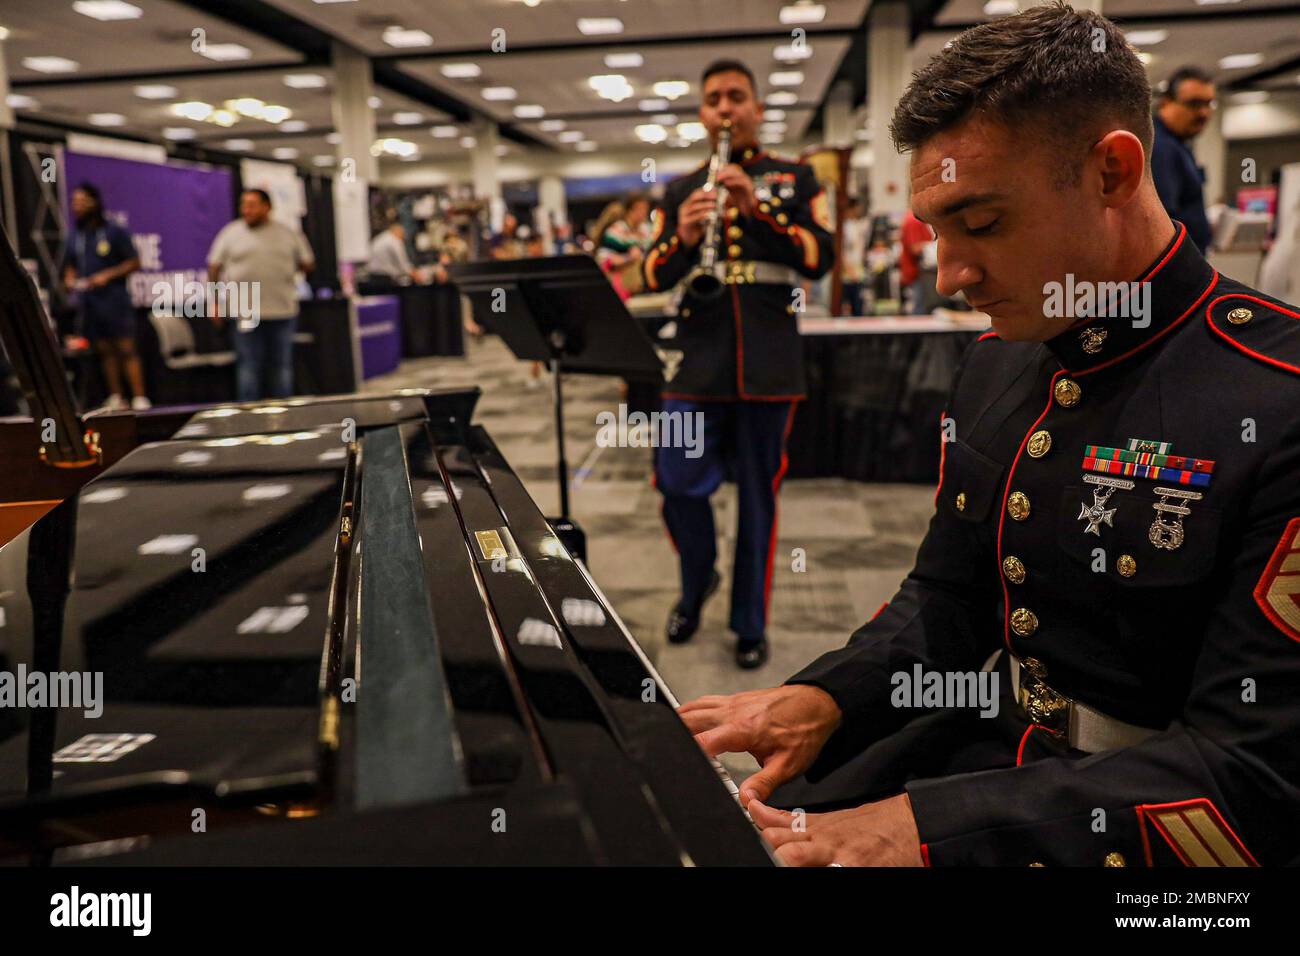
(560, 310)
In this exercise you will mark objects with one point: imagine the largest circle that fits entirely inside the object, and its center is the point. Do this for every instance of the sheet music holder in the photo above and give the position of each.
(561, 310)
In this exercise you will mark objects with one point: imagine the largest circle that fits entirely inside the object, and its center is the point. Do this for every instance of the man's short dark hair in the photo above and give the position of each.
(728, 66)
(1061, 71)
(1169, 88)
(262, 194)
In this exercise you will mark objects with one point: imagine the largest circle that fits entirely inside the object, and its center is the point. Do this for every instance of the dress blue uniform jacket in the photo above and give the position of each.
(745, 344)
(1200, 642)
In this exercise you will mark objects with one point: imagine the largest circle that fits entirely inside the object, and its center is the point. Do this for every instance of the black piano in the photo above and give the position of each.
(316, 631)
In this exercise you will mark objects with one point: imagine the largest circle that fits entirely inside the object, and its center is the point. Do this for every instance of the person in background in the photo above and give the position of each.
(1186, 106)
(257, 249)
(388, 256)
(622, 233)
(880, 261)
(916, 271)
(508, 244)
(455, 248)
(853, 259)
(742, 369)
(99, 257)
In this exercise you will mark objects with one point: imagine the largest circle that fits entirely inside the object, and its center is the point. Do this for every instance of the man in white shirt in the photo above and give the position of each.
(388, 255)
(262, 256)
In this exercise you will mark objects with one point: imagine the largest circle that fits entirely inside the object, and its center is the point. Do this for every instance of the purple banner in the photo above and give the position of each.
(379, 321)
(172, 211)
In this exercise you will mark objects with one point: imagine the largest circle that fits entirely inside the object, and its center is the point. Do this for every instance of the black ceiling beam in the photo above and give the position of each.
(270, 22)
(606, 43)
(154, 76)
(1259, 76)
(1194, 15)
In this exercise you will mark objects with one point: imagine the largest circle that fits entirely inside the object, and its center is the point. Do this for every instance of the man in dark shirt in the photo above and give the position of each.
(99, 257)
(1185, 108)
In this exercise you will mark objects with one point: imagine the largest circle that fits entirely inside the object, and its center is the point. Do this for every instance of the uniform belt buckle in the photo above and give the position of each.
(741, 272)
(1044, 706)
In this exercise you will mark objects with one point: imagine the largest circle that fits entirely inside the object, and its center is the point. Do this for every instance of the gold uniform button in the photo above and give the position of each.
(1126, 566)
(1014, 569)
(1018, 505)
(733, 250)
(1067, 393)
(733, 212)
(775, 200)
(686, 313)
(1039, 443)
(961, 501)
(764, 207)
(1240, 316)
(734, 232)
(663, 247)
(782, 218)
(1024, 622)
(1114, 859)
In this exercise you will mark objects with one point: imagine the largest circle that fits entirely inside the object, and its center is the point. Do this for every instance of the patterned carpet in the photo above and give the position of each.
(859, 539)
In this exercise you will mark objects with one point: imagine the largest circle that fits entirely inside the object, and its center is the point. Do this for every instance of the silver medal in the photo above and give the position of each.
(1097, 513)
(1168, 535)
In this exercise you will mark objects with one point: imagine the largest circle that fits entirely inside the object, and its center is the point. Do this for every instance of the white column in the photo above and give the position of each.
(837, 116)
(888, 68)
(553, 206)
(354, 121)
(483, 170)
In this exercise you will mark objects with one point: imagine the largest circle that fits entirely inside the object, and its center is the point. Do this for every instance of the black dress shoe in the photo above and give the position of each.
(682, 626)
(751, 656)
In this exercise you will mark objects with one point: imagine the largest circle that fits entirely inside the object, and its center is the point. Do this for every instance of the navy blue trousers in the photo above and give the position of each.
(264, 359)
(743, 442)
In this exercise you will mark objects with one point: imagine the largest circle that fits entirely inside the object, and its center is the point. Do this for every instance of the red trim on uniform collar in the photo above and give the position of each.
(1178, 282)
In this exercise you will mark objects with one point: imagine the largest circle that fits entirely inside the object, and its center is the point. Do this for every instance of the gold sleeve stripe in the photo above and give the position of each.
(659, 220)
(652, 261)
(811, 253)
(1198, 834)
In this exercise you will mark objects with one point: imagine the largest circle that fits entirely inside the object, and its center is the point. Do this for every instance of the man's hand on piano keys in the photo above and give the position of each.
(875, 834)
(784, 729)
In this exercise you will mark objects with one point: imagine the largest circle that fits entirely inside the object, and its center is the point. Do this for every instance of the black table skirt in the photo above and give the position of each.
(873, 406)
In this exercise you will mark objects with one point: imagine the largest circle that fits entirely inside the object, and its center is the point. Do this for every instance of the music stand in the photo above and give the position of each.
(560, 310)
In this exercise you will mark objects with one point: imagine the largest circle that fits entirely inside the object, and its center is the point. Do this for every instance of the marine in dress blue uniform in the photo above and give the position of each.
(1187, 639)
(742, 370)
(1116, 533)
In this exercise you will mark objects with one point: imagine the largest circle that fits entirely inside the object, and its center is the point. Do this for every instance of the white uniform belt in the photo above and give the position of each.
(1084, 728)
(756, 271)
